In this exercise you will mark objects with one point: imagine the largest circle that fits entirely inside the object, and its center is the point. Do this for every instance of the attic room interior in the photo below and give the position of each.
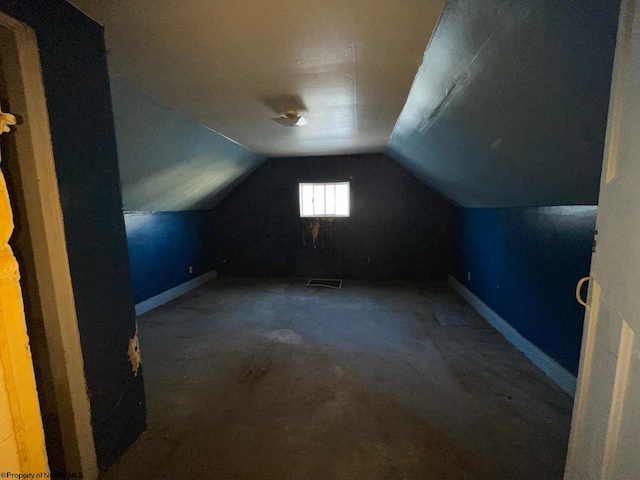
(461, 178)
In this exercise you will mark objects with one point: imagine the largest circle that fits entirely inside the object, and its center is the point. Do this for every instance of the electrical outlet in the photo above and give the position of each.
(468, 276)
(190, 269)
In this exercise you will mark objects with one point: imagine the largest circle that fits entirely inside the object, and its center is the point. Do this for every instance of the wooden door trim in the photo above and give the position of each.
(46, 224)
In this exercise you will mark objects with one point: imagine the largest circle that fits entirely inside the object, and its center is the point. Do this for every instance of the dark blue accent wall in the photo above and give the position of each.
(76, 83)
(162, 246)
(525, 264)
(398, 228)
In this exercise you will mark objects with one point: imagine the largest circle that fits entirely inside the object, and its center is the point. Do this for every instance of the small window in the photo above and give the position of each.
(324, 199)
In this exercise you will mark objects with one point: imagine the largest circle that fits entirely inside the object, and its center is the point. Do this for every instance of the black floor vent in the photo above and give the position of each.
(325, 282)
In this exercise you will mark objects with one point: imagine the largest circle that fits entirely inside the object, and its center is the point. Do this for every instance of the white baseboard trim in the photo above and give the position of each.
(544, 362)
(175, 292)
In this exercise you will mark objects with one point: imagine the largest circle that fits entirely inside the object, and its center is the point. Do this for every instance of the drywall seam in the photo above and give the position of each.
(175, 292)
(544, 362)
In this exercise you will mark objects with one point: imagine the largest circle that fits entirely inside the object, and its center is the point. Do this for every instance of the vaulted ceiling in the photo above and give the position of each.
(495, 103)
(346, 66)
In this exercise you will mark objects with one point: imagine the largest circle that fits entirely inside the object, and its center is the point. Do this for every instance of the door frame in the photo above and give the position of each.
(46, 224)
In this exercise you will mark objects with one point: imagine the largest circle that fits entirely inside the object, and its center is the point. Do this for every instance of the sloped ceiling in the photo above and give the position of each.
(171, 162)
(509, 107)
(347, 66)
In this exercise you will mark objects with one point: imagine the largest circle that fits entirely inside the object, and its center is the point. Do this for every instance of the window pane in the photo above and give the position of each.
(307, 200)
(324, 199)
(342, 199)
(330, 199)
(318, 199)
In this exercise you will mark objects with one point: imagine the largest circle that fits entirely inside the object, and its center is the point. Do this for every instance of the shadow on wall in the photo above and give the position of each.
(76, 84)
(398, 228)
(524, 263)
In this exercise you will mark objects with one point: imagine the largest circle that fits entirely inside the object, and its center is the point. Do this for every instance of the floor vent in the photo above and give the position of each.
(325, 282)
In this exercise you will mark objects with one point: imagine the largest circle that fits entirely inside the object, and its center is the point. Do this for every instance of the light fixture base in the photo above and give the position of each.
(291, 119)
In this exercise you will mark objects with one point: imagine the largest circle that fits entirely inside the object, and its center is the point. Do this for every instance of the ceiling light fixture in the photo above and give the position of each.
(291, 119)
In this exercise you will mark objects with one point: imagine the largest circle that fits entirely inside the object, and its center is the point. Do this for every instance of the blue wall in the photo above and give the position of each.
(524, 264)
(173, 169)
(76, 84)
(162, 246)
(511, 101)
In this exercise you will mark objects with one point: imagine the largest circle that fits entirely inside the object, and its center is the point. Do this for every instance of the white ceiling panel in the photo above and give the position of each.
(346, 66)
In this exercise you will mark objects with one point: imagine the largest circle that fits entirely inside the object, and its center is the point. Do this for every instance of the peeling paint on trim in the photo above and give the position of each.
(134, 352)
